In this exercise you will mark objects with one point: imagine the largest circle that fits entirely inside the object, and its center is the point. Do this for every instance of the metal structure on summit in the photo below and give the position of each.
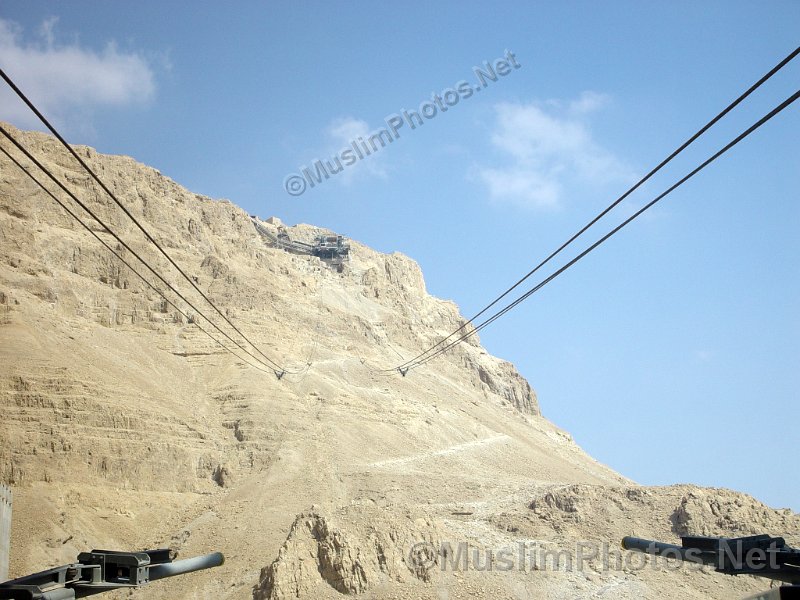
(333, 250)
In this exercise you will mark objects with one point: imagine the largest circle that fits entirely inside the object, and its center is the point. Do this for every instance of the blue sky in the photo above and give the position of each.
(670, 354)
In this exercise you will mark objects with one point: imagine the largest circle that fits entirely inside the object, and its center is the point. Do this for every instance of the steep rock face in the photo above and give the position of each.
(500, 378)
(124, 426)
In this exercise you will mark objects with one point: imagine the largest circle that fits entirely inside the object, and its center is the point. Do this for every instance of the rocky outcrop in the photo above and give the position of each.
(663, 513)
(352, 553)
(715, 512)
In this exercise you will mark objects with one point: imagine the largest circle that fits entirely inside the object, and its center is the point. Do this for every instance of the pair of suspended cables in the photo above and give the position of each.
(443, 346)
(69, 211)
(266, 361)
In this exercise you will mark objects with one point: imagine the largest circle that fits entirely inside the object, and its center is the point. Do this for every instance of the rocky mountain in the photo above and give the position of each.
(124, 426)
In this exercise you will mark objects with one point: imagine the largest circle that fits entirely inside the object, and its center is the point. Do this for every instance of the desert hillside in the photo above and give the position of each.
(125, 427)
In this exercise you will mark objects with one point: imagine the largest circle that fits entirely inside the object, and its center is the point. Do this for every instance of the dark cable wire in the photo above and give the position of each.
(547, 280)
(279, 373)
(128, 213)
(680, 149)
(125, 262)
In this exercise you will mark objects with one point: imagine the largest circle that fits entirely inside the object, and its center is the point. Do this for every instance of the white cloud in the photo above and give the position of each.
(523, 184)
(66, 80)
(346, 129)
(341, 133)
(589, 102)
(703, 355)
(551, 150)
